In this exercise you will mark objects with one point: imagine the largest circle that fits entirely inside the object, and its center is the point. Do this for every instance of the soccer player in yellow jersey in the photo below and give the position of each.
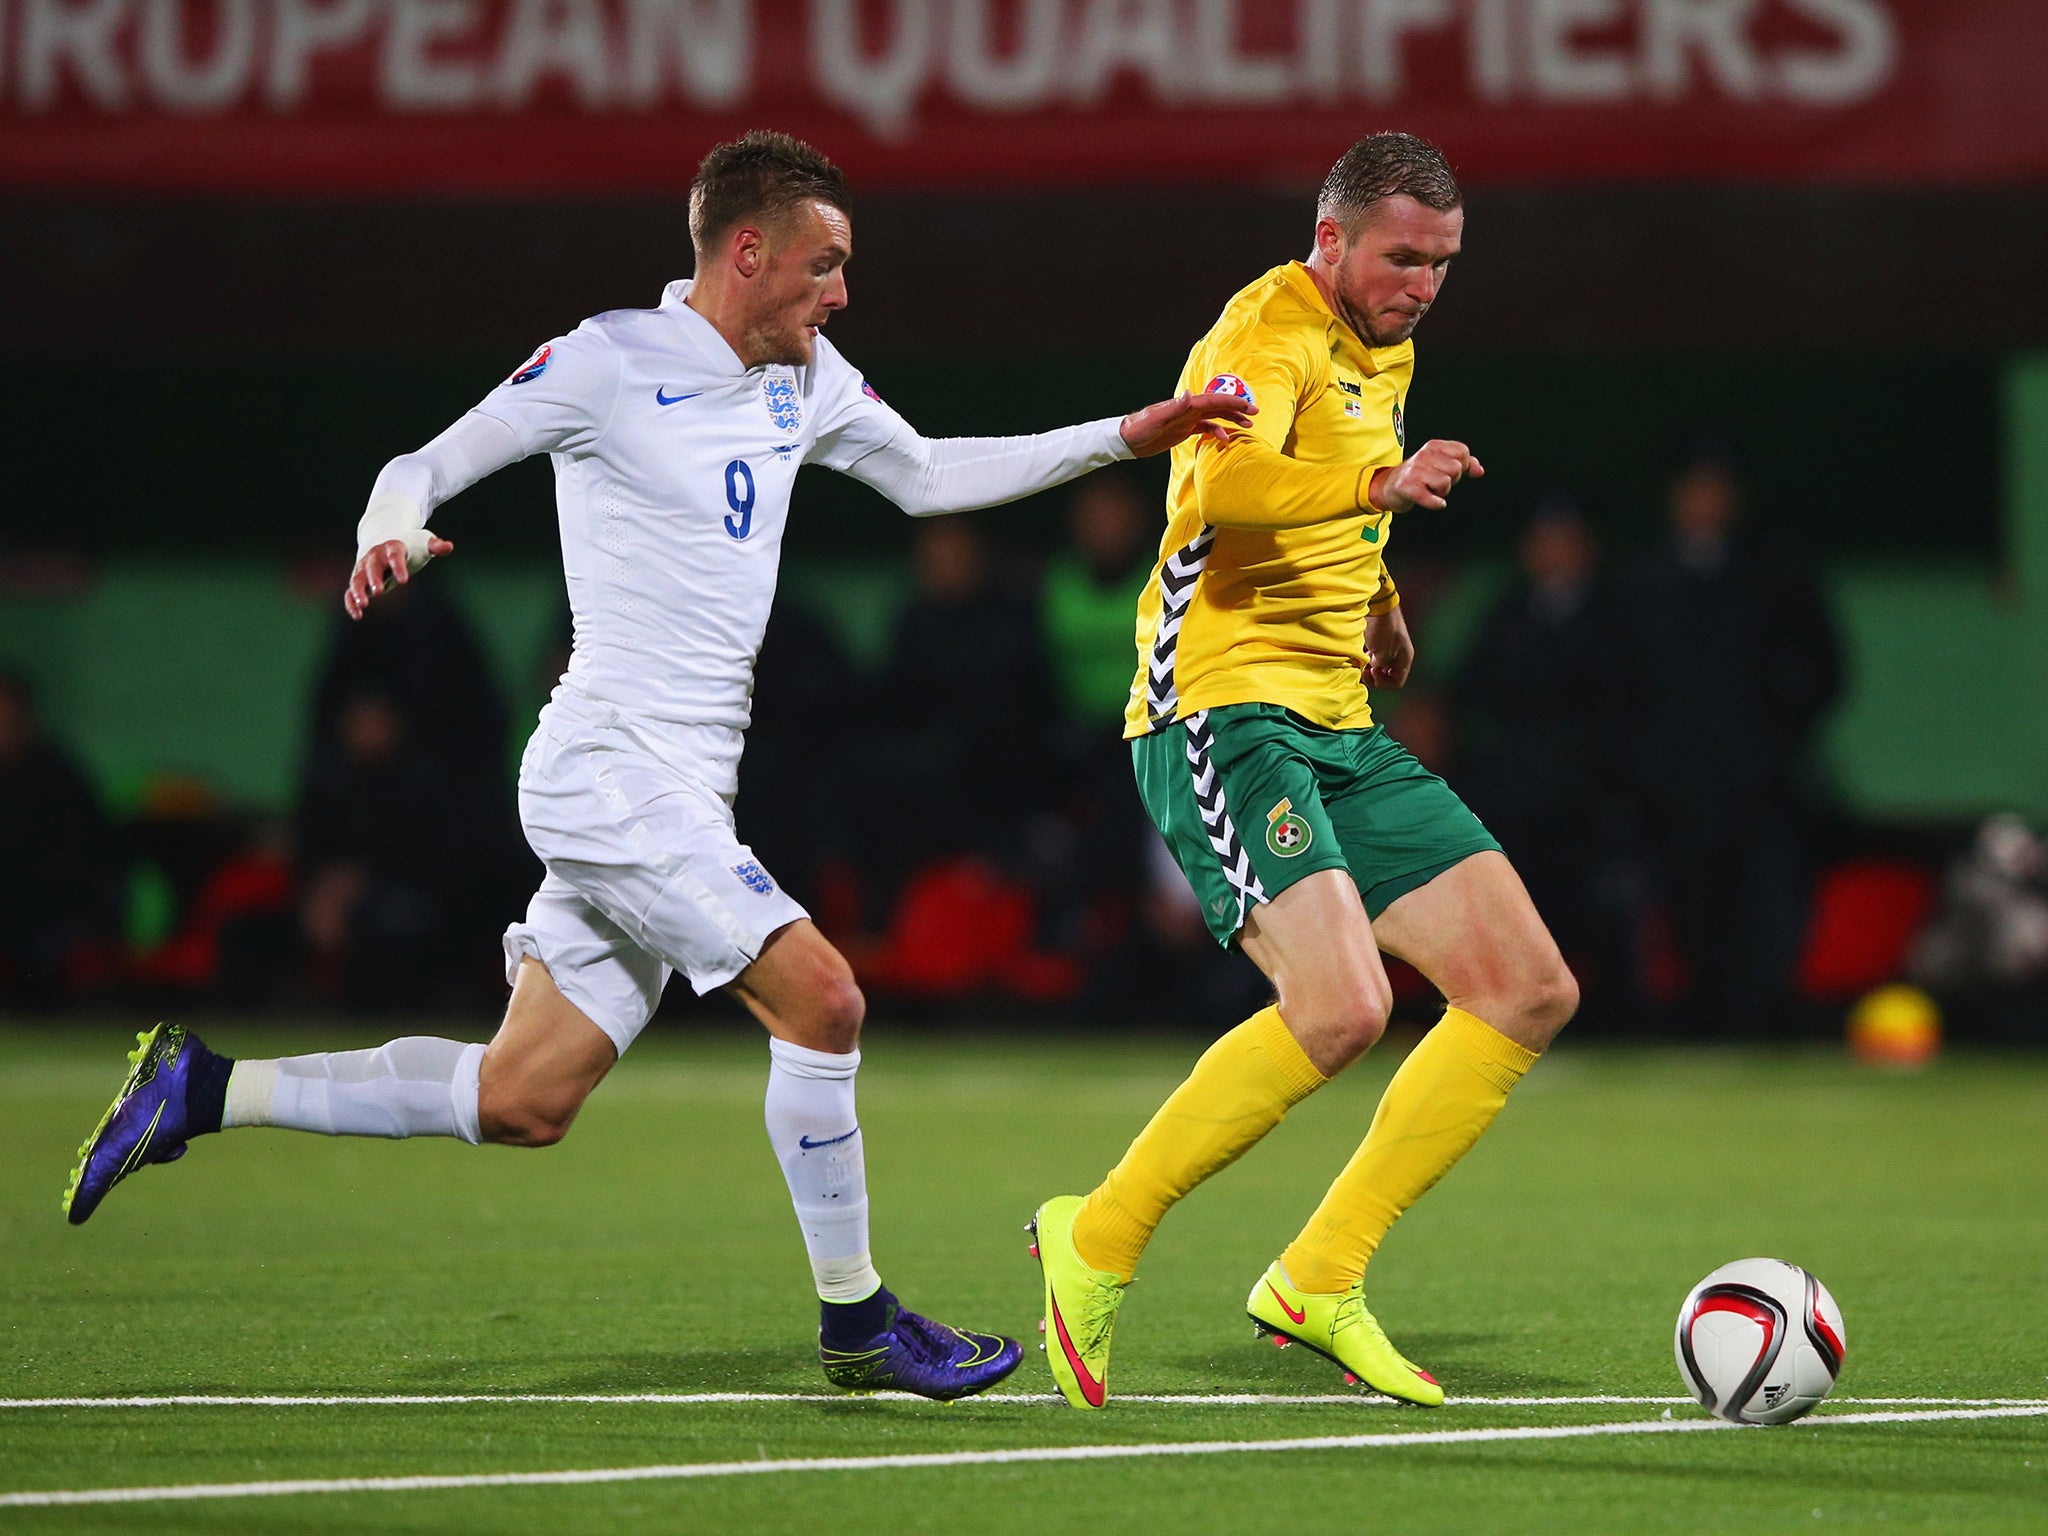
(1314, 841)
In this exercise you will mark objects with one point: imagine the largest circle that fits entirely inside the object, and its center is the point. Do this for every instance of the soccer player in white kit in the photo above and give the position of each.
(676, 434)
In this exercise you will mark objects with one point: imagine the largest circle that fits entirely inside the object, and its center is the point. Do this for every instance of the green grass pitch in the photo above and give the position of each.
(654, 1252)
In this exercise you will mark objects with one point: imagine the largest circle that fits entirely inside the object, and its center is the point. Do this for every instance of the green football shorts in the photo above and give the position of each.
(1251, 797)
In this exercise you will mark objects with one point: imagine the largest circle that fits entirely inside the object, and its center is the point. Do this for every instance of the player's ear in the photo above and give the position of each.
(1330, 240)
(749, 250)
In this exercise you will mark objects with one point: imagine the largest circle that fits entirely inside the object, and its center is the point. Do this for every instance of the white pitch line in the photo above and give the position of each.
(1173, 1399)
(703, 1469)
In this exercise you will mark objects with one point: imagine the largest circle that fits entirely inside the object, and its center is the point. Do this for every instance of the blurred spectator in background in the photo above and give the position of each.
(1986, 951)
(416, 650)
(1172, 971)
(211, 904)
(1736, 664)
(1539, 709)
(1091, 597)
(960, 713)
(406, 697)
(60, 871)
(388, 843)
(796, 796)
(1088, 856)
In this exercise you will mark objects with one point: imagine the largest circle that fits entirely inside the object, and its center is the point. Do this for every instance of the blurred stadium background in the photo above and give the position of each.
(1740, 646)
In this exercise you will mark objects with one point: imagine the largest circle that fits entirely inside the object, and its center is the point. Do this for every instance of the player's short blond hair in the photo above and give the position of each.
(759, 175)
(1387, 165)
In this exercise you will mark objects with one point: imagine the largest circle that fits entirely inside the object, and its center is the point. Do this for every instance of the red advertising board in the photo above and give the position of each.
(382, 97)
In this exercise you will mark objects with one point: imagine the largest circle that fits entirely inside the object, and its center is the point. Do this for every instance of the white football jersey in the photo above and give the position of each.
(673, 471)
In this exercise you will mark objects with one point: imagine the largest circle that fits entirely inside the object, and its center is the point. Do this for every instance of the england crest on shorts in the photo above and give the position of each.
(754, 878)
(778, 393)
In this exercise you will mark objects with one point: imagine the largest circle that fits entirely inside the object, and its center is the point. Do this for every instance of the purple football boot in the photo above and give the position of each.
(915, 1354)
(152, 1117)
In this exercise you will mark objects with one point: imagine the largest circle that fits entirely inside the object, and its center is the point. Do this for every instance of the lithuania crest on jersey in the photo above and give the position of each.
(1286, 833)
(1400, 426)
(778, 393)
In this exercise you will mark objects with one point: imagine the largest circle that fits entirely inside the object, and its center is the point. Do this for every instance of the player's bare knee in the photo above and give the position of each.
(526, 1128)
(1365, 1017)
(1338, 1026)
(832, 1015)
(842, 1009)
(1553, 998)
(525, 1117)
(535, 1133)
(1542, 1003)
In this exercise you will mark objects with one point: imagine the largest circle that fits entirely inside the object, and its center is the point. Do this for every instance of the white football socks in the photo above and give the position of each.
(816, 1136)
(421, 1086)
(418, 1086)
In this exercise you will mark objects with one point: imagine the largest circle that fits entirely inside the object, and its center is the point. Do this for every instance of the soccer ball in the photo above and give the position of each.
(1895, 1026)
(1760, 1341)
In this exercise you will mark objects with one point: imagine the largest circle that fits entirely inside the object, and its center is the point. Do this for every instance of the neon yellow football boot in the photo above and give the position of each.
(1342, 1331)
(1080, 1306)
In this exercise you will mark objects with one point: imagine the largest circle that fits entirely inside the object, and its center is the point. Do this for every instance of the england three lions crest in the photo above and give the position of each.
(778, 393)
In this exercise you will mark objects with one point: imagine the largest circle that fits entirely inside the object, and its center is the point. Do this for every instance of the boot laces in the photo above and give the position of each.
(1098, 1314)
(1351, 1313)
(927, 1342)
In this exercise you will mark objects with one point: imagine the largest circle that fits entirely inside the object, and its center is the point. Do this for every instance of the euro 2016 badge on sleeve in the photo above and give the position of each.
(533, 367)
(1286, 833)
(778, 393)
(1230, 384)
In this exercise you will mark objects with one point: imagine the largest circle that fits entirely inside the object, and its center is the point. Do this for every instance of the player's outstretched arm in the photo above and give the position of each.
(392, 539)
(560, 401)
(929, 476)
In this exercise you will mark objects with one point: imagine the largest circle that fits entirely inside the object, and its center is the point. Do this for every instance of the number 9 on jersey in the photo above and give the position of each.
(739, 495)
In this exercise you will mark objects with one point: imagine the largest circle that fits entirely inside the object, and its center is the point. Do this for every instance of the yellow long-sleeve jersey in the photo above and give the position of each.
(1273, 555)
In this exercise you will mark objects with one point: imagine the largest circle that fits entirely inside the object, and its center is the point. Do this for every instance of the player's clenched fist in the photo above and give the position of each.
(387, 561)
(1425, 480)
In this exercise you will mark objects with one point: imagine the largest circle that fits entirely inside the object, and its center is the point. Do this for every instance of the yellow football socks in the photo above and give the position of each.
(1240, 1089)
(1445, 1094)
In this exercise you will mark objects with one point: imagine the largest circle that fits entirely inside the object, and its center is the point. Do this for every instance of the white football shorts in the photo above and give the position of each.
(646, 872)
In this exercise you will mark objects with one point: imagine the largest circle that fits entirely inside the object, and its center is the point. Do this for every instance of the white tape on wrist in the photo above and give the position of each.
(393, 517)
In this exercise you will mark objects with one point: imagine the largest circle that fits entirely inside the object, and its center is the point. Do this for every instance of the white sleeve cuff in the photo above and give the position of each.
(394, 515)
